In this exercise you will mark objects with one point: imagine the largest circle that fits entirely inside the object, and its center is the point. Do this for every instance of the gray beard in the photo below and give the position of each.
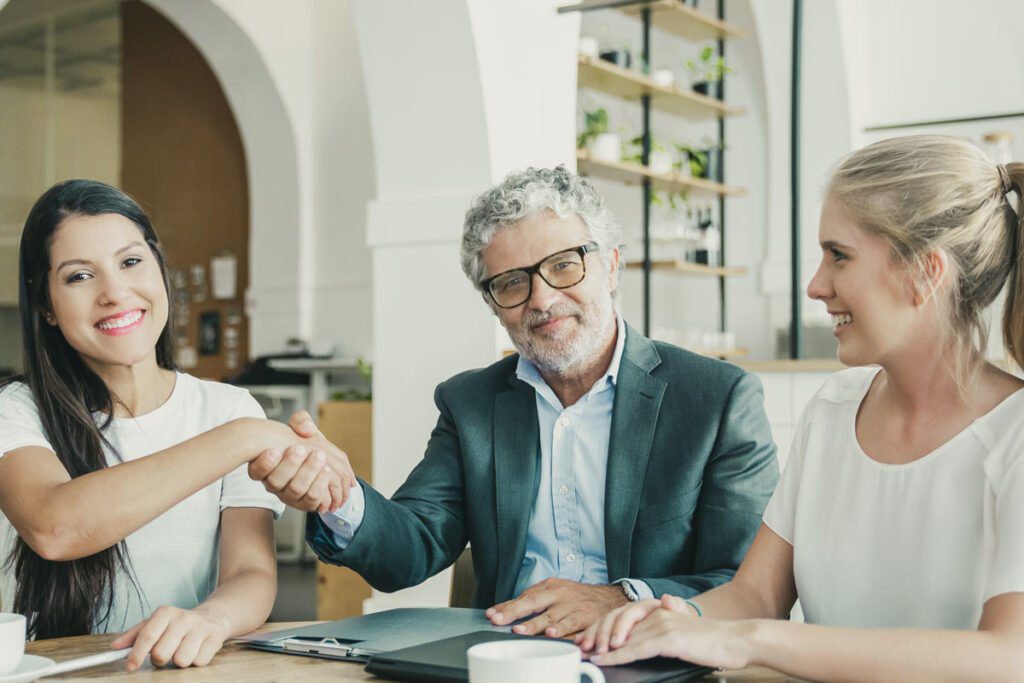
(571, 356)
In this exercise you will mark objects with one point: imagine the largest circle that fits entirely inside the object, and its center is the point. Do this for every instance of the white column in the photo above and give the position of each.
(488, 89)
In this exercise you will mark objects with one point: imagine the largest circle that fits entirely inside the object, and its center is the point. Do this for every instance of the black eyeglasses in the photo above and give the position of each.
(561, 271)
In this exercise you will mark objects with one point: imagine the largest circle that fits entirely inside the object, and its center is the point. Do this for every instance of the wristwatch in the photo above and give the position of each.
(628, 590)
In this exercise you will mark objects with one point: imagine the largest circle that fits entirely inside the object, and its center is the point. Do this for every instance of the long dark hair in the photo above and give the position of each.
(66, 598)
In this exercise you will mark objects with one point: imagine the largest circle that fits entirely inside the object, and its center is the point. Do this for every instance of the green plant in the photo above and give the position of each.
(708, 67)
(675, 200)
(594, 123)
(638, 145)
(365, 371)
(697, 157)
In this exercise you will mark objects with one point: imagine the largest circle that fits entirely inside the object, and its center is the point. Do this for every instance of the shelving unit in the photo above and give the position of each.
(635, 174)
(671, 16)
(690, 268)
(686, 22)
(630, 85)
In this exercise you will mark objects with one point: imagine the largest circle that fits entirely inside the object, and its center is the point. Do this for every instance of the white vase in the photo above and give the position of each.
(663, 77)
(588, 46)
(606, 147)
(660, 162)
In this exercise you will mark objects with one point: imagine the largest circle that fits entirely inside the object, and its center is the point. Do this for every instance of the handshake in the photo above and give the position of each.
(311, 475)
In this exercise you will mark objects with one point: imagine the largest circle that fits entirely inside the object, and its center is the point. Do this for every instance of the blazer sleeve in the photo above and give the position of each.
(420, 531)
(738, 481)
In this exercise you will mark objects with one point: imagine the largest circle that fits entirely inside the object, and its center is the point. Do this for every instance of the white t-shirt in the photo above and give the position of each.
(923, 544)
(175, 556)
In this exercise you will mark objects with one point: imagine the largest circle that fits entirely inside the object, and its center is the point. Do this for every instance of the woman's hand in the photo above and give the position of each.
(611, 630)
(668, 633)
(184, 637)
(314, 475)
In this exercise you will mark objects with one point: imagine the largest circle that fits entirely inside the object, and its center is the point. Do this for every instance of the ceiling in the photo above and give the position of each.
(86, 44)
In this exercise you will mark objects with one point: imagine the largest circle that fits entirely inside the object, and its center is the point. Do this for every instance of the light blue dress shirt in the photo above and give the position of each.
(565, 538)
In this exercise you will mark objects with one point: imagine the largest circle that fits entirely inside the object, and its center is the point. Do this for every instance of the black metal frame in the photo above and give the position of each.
(796, 327)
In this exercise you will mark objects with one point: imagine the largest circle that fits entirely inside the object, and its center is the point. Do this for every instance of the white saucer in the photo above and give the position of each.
(31, 668)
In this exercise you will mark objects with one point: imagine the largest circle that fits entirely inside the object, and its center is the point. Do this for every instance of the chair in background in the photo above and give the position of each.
(463, 580)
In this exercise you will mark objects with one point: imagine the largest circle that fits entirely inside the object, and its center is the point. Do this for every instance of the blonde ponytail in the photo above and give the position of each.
(1013, 312)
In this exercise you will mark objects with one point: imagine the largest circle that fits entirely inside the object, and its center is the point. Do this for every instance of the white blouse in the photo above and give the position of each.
(923, 544)
(174, 557)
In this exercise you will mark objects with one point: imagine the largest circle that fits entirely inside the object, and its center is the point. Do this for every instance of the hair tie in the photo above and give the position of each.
(1004, 176)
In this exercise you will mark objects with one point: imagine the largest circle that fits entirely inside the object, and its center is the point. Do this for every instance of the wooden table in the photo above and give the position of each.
(237, 663)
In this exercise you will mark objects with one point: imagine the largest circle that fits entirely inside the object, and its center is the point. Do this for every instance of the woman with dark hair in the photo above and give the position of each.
(123, 488)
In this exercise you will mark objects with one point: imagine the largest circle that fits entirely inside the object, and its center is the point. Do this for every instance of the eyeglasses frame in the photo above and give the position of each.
(582, 250)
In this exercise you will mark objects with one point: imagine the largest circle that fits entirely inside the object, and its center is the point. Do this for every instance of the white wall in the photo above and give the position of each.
(344, 175)
(825, 136)
(937, 59)
(450, 117)
(307, 154)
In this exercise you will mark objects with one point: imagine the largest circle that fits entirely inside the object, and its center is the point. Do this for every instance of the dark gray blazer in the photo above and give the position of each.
(691, 466)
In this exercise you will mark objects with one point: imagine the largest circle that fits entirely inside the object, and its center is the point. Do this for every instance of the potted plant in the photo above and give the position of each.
(708, 68)
(601, 144)
(358, 393)
(618, 56)
(660, 160)
(693, 161)
(699, 161)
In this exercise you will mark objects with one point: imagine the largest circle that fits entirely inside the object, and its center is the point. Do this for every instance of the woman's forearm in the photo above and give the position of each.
(734, 600)
(89, 513)
(244, 601)
(824, 653)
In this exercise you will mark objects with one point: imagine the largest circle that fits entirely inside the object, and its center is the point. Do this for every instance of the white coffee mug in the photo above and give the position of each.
(529, 661)
(12, 642)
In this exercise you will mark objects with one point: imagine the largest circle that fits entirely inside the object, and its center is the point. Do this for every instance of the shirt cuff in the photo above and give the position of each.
(639, 588)
(344, 523)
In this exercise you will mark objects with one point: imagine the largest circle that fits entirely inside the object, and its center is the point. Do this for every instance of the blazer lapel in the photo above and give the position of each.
(516, 447)
(638, 398)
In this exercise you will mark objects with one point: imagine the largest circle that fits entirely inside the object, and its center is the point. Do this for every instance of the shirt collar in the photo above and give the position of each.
(528, 372)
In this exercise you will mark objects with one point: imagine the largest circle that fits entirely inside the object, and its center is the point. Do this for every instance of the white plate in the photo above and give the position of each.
(31, 668)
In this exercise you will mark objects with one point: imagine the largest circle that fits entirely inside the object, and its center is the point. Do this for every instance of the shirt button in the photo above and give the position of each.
(564, 490)
(564, 421)
(571, 557)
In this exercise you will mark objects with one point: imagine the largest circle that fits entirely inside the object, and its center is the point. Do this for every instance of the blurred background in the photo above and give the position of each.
(308, 164)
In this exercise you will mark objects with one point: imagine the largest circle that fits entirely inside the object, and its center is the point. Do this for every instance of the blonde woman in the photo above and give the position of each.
(899, 521)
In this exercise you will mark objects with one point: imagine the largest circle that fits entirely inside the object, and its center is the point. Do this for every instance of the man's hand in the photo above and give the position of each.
(313, 476)
(562, 607)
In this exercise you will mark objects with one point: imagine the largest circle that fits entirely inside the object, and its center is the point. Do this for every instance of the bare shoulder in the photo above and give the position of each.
(997, 385)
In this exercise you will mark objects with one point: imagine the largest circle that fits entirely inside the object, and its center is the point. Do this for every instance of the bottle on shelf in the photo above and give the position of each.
(703, 254)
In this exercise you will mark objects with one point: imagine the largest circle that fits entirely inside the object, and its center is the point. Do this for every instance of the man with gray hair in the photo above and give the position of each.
(593, 468)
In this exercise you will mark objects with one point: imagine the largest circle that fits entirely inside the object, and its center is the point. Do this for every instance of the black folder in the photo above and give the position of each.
(445, 661)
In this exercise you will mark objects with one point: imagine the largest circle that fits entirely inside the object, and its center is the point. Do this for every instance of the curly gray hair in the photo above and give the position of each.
(529, 192)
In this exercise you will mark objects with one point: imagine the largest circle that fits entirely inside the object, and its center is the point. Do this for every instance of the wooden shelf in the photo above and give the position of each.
(688, 268)
(631, 85)
(737, 352)
(674, 17)
(787, 365)
(629, 173)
